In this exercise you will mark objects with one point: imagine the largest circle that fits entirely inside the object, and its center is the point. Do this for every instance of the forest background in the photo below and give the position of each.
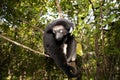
(97, 32)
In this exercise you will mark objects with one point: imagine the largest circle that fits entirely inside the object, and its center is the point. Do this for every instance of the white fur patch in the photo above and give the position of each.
(71, 29)
(65, 49)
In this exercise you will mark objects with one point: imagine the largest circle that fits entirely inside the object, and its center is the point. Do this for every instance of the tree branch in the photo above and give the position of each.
(21, 45)
(92, 5)
(59, 9)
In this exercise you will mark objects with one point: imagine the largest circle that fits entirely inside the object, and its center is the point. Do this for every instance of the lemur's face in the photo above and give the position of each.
(59, 32)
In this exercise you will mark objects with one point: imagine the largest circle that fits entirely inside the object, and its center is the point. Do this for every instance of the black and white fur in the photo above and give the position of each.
(60, 45)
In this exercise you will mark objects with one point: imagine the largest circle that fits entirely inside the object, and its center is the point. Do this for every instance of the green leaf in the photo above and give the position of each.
(111, 17)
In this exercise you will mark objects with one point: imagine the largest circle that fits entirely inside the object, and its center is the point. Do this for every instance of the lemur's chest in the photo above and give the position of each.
(65, 49)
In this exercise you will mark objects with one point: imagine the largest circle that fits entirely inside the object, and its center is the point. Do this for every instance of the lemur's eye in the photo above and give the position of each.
(54, 31)
(61, 31)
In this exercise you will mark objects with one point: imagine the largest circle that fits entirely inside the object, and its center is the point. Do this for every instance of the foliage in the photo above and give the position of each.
(97, 26)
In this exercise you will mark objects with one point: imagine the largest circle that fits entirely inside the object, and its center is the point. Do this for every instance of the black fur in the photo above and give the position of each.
(54, 48)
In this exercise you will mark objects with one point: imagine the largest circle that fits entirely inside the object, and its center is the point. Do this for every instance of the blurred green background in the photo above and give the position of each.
(97, 34)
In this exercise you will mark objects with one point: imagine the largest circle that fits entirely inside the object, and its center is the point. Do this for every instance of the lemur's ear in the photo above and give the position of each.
(71, 29)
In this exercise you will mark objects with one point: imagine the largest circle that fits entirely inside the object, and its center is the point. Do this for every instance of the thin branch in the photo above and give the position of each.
(21, 45)
(59, 9)
(92, 5)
